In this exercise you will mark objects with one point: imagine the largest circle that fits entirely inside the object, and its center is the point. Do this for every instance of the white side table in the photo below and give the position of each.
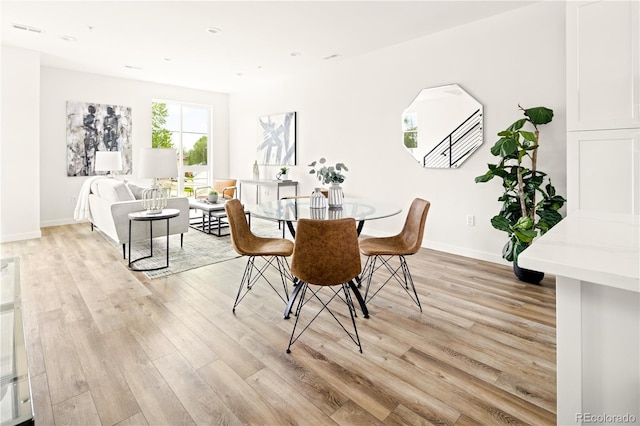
(143, 216)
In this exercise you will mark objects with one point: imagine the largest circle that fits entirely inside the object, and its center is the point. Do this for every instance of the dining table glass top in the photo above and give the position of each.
(293, 209)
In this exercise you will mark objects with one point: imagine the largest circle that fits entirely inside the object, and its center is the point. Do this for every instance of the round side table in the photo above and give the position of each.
(143, 216)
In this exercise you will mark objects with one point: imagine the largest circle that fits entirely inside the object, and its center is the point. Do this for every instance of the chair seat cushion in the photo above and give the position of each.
(385, 246)
(261, 246)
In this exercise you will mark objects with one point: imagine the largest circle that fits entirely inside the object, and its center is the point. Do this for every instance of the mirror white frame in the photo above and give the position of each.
(442, 127)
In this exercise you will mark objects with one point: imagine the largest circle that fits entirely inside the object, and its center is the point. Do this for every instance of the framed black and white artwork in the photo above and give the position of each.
(277, 145)
(93, 127)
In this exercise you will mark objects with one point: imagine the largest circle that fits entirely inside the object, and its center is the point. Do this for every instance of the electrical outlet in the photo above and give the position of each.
(471, 220)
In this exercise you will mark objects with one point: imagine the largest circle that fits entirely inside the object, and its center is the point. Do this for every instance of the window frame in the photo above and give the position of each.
(179, 145)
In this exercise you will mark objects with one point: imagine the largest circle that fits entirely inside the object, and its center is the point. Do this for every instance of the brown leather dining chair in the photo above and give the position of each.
(273, 252)
(326, 256)
(381, 250)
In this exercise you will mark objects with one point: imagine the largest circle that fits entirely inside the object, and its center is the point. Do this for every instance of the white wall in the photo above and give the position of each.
(58, 191)
(351, 112)
(19, 145)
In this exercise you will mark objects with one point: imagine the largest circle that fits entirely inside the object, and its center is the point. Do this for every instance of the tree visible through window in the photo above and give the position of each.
(185, 128)
(160, 137)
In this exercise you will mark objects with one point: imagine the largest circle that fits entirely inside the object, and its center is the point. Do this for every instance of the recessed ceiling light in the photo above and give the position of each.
(133, 67)
(214, 30)
(239, 74)
(68, 38)
(167, 59)
(295, 54)
(335, 55)
(27, 28)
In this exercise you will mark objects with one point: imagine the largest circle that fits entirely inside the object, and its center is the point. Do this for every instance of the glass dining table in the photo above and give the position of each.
(290, 210)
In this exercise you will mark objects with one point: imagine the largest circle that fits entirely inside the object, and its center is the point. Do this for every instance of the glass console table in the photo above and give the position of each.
(15, 404)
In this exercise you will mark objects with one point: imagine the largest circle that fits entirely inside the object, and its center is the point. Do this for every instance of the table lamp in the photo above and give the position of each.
(157, 163)
(108, 161)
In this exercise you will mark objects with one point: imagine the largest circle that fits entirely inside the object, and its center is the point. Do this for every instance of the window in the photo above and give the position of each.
(186, 128)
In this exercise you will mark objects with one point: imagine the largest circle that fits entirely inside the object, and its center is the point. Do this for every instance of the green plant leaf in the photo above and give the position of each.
(504, 147)
(518, 248)
(526, 236)
(530, 136)
(550, 189)
(485, 177)
(524, 223)
(501, 223)
(550, 217)
(507, 250)
(517, 125)
(539, 115)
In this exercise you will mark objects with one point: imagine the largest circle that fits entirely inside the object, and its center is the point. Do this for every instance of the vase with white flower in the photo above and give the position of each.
(330, 175)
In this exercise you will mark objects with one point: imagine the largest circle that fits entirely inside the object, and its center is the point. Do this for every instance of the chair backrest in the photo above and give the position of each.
(326, 252)
(241, 235)
(413, 229)
(226, 187)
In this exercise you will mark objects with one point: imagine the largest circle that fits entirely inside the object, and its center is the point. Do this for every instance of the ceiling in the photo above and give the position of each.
(258, 43)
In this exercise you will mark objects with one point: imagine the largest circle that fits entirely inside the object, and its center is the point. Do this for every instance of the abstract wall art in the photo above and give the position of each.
(93, 127)
(277, 145)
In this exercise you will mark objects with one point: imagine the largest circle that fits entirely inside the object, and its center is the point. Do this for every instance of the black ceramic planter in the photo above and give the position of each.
(527, 275)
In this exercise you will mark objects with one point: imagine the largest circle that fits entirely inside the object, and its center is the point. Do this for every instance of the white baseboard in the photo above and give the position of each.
(448, 248)
(7, 238)
(466, 252)
(59, 222)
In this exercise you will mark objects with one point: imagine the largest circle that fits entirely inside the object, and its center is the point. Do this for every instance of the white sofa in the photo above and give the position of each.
(111, 201)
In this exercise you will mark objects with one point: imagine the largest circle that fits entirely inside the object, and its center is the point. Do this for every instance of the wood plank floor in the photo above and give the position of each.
(107, 346)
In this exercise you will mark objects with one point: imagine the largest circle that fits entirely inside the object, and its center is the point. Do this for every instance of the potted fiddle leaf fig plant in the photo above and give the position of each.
(522, 215)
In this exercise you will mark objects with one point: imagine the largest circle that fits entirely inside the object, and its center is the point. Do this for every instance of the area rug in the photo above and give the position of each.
(199, 249)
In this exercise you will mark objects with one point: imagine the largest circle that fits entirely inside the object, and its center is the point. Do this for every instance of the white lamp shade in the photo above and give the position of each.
(158, 163)
(108, 161)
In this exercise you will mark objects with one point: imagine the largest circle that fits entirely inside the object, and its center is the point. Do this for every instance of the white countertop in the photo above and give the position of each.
(602, 248)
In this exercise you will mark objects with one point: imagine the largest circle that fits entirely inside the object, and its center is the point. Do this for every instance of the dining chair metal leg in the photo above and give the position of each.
(345, 288)
(352, 286)
(252, 273)
(405, 280)
(347, 295)
(359, 298)
(292, 299)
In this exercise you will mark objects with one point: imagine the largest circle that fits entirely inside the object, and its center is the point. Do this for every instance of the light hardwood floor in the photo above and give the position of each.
(107, 346)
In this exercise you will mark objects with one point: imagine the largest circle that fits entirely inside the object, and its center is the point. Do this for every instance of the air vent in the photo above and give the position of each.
(27, 28)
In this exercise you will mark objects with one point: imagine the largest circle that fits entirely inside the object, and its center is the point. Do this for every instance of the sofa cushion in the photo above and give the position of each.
(112, 190)
(135, 190)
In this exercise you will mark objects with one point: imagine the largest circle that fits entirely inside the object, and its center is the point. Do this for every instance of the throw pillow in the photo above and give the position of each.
(113, 190)
(135, 190)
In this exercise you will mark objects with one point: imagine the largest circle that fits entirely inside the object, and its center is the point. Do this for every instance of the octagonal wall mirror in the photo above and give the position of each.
(442, 127)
